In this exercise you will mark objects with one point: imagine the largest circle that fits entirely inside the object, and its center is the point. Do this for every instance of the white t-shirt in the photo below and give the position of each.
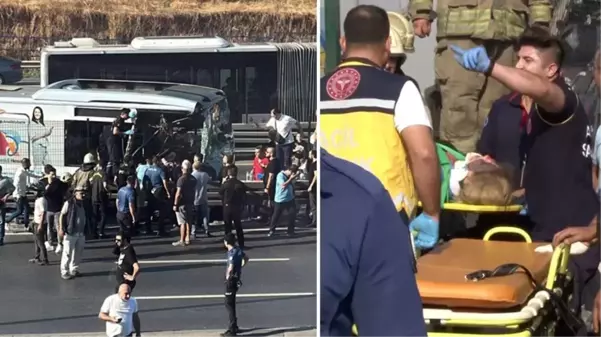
(283, 126)
(114, 306)
(38, 210)
(409, 109)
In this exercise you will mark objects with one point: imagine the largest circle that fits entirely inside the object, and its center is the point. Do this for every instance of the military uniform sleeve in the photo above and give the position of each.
(385, 285)
(540, 11)
(420, 9)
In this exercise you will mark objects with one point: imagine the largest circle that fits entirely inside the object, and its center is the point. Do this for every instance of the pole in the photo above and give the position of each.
(332, 33)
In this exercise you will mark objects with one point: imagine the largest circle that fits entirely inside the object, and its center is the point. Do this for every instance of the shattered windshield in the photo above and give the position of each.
(217, 136)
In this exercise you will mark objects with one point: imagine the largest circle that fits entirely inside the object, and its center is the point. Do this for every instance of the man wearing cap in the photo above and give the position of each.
(21, 181)
(72, 226)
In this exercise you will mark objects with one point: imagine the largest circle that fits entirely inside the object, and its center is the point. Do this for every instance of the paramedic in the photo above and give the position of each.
(363, 111)
(367, 274)
(558, 171)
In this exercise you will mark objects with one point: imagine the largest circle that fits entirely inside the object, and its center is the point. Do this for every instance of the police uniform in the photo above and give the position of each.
(235, 256)
(367, 263)
(468, 96)
(363, 110)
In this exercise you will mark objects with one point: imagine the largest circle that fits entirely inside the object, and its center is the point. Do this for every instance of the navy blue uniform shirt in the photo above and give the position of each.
(503, 132)
(367, 274)
(234, 258)
(125, 196)
(558, 172)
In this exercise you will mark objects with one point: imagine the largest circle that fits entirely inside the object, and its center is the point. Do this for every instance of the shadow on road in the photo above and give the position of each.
(94, 315)
(272, 332)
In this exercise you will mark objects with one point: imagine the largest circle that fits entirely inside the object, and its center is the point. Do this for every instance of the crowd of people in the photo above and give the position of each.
(534, 124)
(162, 192)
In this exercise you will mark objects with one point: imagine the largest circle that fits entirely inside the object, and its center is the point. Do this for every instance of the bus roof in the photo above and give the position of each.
(166, 44)
(91, 92)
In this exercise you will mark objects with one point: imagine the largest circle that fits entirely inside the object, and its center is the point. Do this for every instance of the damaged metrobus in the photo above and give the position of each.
(63, 121)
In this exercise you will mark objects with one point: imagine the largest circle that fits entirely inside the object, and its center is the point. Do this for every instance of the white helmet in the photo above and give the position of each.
(401, 35)
(89, 159)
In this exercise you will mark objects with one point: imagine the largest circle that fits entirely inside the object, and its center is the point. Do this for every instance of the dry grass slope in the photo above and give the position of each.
(30, 24)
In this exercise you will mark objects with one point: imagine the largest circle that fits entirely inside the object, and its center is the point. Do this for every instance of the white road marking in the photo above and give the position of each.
(204, 297)
(210, 261)
(248, 230)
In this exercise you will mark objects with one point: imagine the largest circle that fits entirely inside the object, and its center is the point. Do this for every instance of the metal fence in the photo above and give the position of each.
(29, 47)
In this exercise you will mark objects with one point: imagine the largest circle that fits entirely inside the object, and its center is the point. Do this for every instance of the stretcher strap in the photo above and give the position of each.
(573, 321)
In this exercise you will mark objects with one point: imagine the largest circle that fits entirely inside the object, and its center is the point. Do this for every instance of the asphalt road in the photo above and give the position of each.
(178, 289)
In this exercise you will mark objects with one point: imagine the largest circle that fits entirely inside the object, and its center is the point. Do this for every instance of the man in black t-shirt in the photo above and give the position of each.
(312, 175)
(183, 204)
(271, 171)
(557, 146)
(128, 267)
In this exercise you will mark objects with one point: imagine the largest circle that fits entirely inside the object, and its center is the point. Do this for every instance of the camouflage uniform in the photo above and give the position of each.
(467, 96)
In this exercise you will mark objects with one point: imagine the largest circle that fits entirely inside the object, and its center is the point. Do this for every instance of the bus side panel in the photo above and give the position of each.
(14, 140)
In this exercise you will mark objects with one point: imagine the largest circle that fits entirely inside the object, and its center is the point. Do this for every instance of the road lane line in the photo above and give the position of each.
(217, 296)
(248, 230)
(210, 261)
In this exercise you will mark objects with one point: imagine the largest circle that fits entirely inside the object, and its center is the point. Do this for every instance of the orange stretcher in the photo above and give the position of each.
(497, 306)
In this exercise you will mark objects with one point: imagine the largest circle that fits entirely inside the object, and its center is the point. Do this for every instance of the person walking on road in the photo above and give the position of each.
(21, 181)
(183, 203)
(201, 200)
(6, 189)
(72, 228)
(312, 170)
(284, 200)
(233, 198)
(39, 228)
(120, 312)
(378, 121)
(236, 259)
(128, 267)
(126, 206)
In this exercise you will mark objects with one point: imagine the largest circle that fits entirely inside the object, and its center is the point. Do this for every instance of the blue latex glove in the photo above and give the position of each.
(524, 210)
(128, 132)
(475, 59)
(427, 231)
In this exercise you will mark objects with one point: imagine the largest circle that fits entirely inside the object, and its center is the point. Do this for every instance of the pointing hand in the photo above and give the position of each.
(474, 59)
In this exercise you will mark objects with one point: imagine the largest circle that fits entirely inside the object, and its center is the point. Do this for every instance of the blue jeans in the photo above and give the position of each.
(2, 221)
(22, 208)
(202, 217)
(284, 154)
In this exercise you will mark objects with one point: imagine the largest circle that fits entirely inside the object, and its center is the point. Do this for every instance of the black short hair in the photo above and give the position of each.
(131, 180)
(366, 24)
(49, 168)
(540, 37)
(314, 153)
(293, 168)
(200, 156)
(230, 239)
(232, 170)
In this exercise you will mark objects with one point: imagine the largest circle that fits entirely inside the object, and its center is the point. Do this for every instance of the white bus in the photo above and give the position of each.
(255, 76)
(62, 122)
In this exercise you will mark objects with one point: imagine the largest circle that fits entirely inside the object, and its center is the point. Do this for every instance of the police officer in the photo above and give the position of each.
(558, 168)
(367, 274)
(236, 259)
(467, 97)
(363, 111)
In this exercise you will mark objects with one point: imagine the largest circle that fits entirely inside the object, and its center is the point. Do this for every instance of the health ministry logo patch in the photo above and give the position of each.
(343, 83)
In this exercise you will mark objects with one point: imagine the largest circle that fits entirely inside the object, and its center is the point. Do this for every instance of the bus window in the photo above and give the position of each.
(82, 137)
(204, 77)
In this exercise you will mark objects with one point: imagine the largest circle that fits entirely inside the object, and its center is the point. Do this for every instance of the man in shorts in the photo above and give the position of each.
(183, 204)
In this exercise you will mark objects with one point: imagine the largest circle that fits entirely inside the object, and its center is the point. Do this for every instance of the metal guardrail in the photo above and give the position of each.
(30, 64)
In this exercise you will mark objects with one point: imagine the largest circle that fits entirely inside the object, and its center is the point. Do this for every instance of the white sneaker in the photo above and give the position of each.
(48, 245)
(59, 249)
